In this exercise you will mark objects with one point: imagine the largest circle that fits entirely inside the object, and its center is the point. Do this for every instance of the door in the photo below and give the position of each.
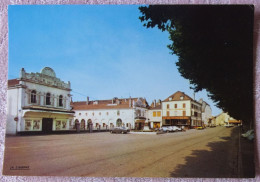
(47, 125)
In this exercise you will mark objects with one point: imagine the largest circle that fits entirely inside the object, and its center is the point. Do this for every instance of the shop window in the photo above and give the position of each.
(104, 125)
(36, 124)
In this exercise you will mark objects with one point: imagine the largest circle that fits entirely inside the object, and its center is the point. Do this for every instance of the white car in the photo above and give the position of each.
(170, 128)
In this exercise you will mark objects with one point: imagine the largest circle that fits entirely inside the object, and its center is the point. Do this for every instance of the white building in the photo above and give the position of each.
(107, 114)
(155, 115)
(181, 110)
(206, 112)
(38, 102)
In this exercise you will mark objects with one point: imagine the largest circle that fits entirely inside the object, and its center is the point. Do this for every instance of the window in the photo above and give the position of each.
(184, 113)
(93, 113)
(60, 100)
(168, 106)
(154, 114)
(184, 105)
(79, 113)
(118, 113)
(158, 113)
(107, 113)
(48, 99)
(33, 96)
(175, 105)
(86, 114)
(99, 113)
(168, 113)
(104, 125)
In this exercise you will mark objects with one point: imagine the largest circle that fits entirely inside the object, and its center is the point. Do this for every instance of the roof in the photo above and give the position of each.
(109, 104)
(13, 82)
(158, 107)
(176, 97)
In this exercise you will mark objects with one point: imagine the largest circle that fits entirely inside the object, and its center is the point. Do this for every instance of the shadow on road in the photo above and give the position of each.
(222, 160)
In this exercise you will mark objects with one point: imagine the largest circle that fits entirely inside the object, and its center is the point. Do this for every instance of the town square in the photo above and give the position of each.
(130, 91)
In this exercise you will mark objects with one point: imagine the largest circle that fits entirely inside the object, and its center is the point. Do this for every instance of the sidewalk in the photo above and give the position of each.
(246, 158)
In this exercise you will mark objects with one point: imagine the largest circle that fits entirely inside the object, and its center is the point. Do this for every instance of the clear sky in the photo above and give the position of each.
(103, 50)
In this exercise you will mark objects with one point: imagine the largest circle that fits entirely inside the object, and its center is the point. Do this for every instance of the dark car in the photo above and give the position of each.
(122, 130)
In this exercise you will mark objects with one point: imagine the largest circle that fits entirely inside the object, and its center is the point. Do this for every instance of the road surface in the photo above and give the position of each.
(212, 152)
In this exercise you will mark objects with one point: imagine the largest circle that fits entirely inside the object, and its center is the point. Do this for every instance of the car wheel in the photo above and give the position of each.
(111, 132)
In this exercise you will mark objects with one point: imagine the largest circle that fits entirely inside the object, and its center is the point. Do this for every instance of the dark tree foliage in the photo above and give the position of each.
(214, 45)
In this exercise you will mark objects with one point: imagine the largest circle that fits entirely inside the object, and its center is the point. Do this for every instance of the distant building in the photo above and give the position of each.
(223, 119)
(155, 115)
(107, 114)
(206, 112)
(38, 102)
(181, 110)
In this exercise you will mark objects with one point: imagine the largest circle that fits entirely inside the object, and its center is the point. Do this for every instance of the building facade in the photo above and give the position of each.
(107, 114)
(155, 115)
(181, 110)
(38, 102)
(206, 114)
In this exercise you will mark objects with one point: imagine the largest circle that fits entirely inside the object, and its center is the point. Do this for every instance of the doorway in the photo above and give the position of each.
(47, 125)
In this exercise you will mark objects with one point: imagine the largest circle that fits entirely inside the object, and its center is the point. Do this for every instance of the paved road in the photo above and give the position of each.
(212, 152)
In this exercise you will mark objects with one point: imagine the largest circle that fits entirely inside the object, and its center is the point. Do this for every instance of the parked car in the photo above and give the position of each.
(200, 128)
(166, 129)
(122, 130)
(171, 128)
(175, 128)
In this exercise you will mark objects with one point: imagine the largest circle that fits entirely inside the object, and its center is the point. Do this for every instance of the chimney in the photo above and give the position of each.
(154, 102)
(87, 100)
(159, 102)
(193, 95)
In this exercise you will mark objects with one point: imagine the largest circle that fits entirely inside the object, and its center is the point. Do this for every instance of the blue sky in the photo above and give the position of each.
(103, 50)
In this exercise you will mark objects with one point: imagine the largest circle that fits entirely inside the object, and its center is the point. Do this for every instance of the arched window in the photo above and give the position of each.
(82, 124)
(118, 122)
(60, 100)
(48, 99)
(33, 96)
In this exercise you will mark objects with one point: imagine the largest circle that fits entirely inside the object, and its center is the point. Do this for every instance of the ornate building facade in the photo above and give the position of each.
(38, 102)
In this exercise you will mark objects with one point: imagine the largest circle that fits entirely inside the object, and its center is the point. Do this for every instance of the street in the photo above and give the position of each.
(212, 152)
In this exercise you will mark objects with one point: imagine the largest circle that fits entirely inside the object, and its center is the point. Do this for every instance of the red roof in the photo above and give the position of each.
(177, 97)
(13, 82)
(105, 104)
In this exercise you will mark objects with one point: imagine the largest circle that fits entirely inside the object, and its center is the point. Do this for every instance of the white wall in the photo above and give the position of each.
(100, 116)
(12, 110)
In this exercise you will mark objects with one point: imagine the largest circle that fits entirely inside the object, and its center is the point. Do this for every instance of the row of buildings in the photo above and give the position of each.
(41, 102)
